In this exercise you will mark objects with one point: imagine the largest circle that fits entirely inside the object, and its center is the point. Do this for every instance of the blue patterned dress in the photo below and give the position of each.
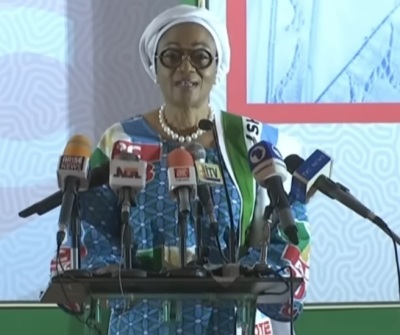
(154, 226)
(154, 221)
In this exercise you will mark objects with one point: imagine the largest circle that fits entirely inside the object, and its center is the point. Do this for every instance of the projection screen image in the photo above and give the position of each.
(323, 51)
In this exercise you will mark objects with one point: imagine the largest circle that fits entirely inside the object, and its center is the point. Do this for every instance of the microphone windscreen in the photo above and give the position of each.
(179, 157)
(78, 145)
(293, 162)
(205, 124)
(197, 150)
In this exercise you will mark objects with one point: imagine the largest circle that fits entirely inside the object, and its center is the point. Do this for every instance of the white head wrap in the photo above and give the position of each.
(185, 14)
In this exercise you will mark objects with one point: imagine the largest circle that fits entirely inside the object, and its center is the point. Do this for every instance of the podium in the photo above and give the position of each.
(245, 292)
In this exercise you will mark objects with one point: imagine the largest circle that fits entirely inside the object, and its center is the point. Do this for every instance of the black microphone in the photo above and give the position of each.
(127, 179)
(205, 202)
(72, 176)
(208, 125)
(182, 188)
(309, 176)
(203, 189)
(97, 177)
(269, 170)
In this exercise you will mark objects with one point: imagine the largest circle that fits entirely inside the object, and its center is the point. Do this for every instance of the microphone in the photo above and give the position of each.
(72, 177)
(306, 175)
(208, 125)
(206, 174)
(127, 179)
(182, 187)
(269, 170)
(206, 203)
(309, 176)
(313, 174)
(181, 178)
(98, 176)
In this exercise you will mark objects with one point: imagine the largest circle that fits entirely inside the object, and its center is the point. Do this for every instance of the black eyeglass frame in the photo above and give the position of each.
(186, 54)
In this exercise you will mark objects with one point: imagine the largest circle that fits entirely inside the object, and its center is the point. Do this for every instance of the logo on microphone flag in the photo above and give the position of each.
(209, 173)
(145, 151)
(74, 163)
(181, 173)
(124, 172)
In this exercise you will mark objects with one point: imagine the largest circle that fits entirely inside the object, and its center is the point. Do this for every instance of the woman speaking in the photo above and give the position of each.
(185, 50)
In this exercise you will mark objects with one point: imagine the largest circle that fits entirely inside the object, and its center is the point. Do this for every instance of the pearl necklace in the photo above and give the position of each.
(174, 135)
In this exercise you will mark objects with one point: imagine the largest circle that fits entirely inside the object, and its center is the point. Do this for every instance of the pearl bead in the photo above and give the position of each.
(194, 136)
(175, 136)
(188, 138)
(181, 139)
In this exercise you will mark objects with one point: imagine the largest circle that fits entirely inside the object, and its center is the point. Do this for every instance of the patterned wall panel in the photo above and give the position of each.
(66, 67)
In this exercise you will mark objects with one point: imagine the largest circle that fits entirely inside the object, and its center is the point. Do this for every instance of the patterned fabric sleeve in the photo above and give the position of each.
(103, 152)
(99, 206)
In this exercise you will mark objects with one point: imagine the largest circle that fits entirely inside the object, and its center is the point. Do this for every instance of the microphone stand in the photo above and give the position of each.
(182, 227)
(126, 238)
(200, 255)
(265, 240)
(262, 267)
(127, 247)
(232, 269)
(76, 233)
(185, 269)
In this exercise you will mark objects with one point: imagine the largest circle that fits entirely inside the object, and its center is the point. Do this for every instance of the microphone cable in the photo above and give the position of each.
(123, 298)
(77, 314)
(214, 228)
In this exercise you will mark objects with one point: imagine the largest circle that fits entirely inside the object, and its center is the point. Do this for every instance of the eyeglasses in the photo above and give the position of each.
(198, 58)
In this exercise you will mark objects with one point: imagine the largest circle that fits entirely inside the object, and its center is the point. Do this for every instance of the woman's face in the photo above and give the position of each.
(186, 65)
